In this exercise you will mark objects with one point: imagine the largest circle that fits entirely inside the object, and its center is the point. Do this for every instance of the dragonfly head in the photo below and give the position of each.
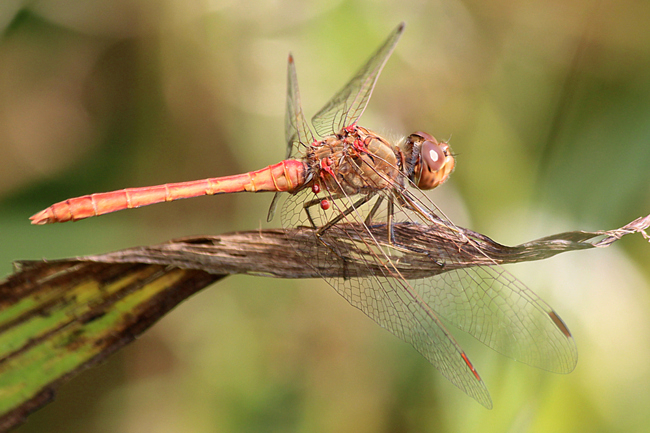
(432, 161)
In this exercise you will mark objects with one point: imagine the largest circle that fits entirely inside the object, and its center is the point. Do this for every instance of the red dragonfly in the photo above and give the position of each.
(355, 177)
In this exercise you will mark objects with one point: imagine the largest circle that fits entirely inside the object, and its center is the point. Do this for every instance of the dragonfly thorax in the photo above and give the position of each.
(355, 161)
(430, 162)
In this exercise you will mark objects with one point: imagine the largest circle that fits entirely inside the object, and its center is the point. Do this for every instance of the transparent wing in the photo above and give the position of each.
(296, 129)
(487, 302)
(350, 102)
(384, 297)
(484, 301)
(497, 309)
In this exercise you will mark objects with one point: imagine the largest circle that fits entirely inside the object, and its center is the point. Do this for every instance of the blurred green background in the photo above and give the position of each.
(548, 107)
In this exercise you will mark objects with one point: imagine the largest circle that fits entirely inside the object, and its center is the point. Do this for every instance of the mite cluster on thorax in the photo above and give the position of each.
(354, 161)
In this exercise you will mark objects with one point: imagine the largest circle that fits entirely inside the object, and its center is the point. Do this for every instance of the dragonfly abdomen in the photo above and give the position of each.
(284, 176)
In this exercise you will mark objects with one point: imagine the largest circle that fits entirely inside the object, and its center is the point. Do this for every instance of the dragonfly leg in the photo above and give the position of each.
(389, 217)
(389, 220)
(373, 211)
(314, 202)
(332, 222)
(306, 206)
(363, 200)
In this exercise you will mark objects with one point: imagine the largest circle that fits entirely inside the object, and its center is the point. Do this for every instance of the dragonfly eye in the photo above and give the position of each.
(435, 161)
(433, 155)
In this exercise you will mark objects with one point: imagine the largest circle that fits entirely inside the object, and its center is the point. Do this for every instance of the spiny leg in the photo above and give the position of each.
(314, 202)
(332, 222)
(389, 217)
(390, 209)
(363, 200)
(391, 235)
(373, 211)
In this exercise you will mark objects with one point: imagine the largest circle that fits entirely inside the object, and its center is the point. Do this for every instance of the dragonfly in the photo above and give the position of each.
(339, 174)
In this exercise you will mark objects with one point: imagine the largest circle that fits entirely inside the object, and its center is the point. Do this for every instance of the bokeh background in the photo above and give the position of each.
(547, 104)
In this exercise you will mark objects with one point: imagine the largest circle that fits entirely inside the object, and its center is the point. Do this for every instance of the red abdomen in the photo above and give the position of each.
(286, 175)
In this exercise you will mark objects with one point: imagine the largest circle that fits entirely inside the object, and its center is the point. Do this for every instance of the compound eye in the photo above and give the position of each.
(432, 155)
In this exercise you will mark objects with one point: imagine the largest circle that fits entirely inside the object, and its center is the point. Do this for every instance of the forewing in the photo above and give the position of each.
(350, 102)
(296, 129)
(297, 133)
